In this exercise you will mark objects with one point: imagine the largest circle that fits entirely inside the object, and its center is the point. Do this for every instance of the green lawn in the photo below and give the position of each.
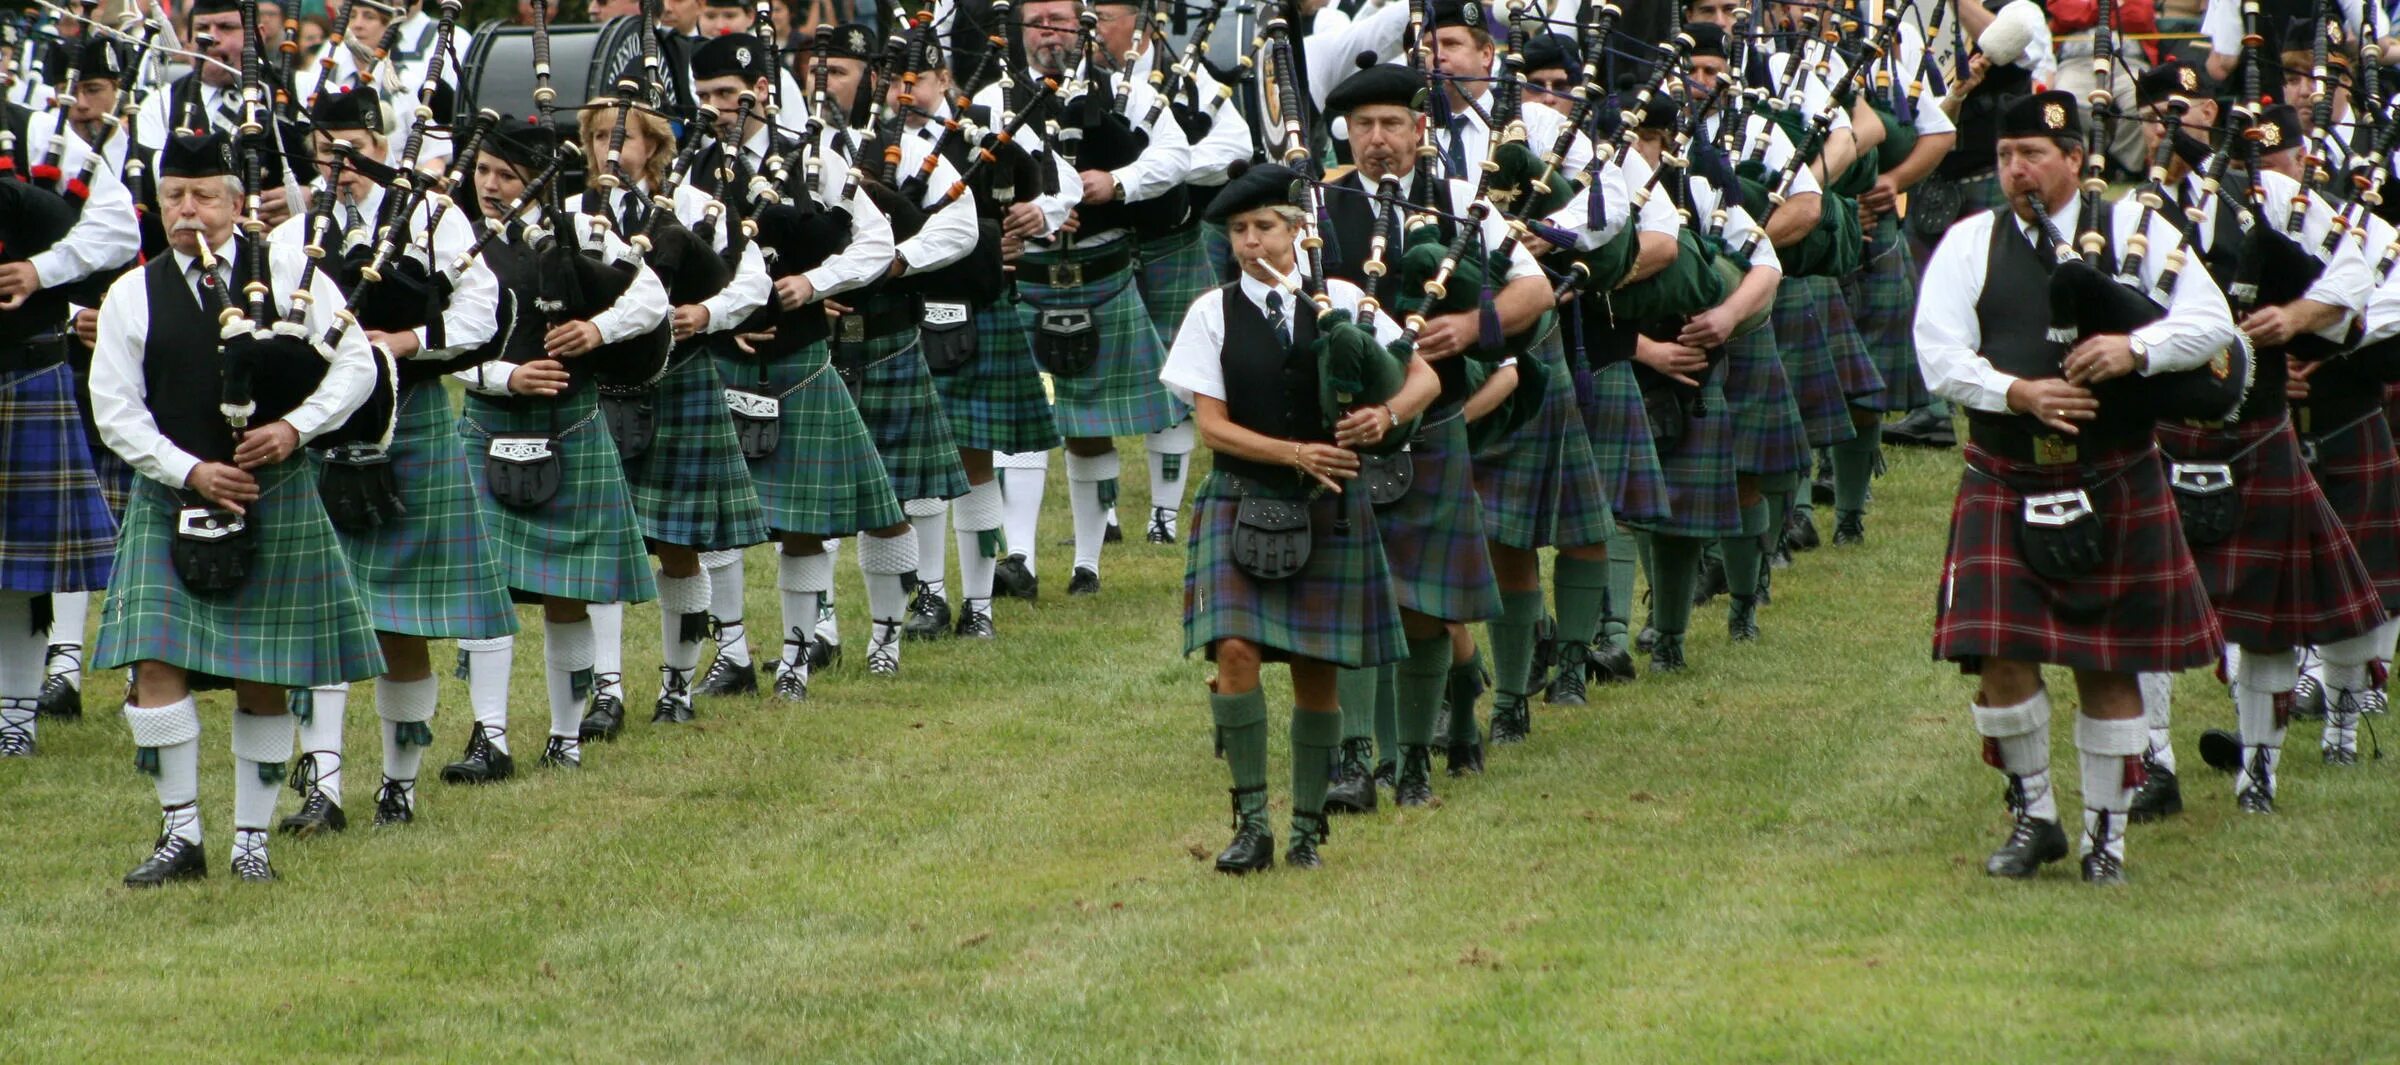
(999, 856)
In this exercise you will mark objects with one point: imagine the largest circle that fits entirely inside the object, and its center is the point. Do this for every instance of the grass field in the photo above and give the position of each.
(998, 856)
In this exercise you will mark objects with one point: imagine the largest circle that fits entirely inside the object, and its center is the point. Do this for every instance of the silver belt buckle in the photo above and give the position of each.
(2308, 450)
(207, 523)
(2057, 510)
(2200, 478)
(1066, 275)
(854, 328)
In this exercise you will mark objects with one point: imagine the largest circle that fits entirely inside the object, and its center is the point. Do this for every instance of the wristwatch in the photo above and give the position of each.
(2141, 353)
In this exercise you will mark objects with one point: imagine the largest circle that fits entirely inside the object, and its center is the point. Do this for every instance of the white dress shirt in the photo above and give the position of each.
(1949, 334)
(1739, 226)
(2345, 283)
(470, 319)
(1195, 365)
(106, 234)
(952, 232)
(120, 391)
(870, 249)
(1054, 206)
(637, 310)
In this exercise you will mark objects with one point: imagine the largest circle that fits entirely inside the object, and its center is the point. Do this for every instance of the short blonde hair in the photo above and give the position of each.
(599, 122)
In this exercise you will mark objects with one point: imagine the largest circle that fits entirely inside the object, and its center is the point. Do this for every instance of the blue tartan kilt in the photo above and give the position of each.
(297, 622)
(1120, 395)
(1883, 300)
(584, 543)
(1175, 270)
(433, 573)
(1702, 500)
(116, 479)
(1768, 436)
(826, 478)
(1338, 608)
(1804, 338)
(996, 401)
(904, 414)
(1622, 449)
(1538, 486)
(692, 488)
(1433, 536)
(56, 531)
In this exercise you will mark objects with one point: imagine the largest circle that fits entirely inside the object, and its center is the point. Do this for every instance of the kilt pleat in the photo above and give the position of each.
(904, 416)
(692, 487)
(1339, 608)
(2142, 609)
(116, 479)
(2287, 576)
(1174, 271)
(1883, 301)
(433, 573)
(825, 478)
(1768, 434)
(2360, 476)
(996, 401)
(585, 543)
(1433, 536)
(1120, 395)
(1805, 342)
(56, 531)
(297, 622)
(1702, 499)
(1539, 487)
(1622, 450)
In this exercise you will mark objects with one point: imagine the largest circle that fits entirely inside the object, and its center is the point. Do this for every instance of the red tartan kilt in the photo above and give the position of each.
(2142, 609)
(2288, 576)
(2361, 478)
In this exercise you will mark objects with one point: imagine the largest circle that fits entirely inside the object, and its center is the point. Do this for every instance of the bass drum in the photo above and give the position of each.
(584, 59)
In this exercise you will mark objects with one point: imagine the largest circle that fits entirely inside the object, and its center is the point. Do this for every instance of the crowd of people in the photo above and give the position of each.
(313, 358)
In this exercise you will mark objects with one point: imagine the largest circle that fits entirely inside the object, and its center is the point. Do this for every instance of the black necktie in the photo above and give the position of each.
(1275, 318)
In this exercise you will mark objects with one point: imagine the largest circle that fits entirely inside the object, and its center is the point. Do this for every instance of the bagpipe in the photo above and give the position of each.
(1837, 246)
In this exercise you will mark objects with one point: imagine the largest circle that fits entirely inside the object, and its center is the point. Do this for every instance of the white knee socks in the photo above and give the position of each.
(401, 704)
(977, 519)
(2112, 771)
(1086, 474)
(173, 731)
(1023, 477)
(321, 735)
(803, 579)
(725, 595)
(885, 561)
(1170, 452)
(567, 653)
(2018, 738)
(929, 521)
(2262, 700)
(489, 663)
(608, 648)
(2157, 712)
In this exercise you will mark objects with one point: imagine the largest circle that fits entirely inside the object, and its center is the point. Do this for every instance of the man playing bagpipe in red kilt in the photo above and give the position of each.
(2065, 547)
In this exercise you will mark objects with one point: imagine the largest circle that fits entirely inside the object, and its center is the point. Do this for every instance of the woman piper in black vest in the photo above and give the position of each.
(1286, 564)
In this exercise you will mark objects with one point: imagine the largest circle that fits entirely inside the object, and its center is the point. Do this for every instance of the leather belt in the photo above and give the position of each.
(36, 353)
(1074, 272)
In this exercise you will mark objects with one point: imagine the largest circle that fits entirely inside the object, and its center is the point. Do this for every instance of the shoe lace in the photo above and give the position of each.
(396, 795)
(792, 681)
(674, 683)
(479, 744)
(15, 737)
(251, 861)
(563, 749)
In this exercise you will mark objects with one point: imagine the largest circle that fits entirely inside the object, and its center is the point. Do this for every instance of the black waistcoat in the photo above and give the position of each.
(1347, 243)
(2014, 316)
(183, 366)
(1269, 387)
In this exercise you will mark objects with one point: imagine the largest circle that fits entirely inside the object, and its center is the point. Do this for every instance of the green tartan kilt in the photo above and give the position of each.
(1883, 299)
(1219, 247)
(1622, 449)
(1701, 496)
(1768, 436)
(433, 573)
(825, 478)
(1121, 394)
(996, 402)
(1433, 536)
(1339, 608)
(1174, 272)
(298, 622)
(692, 488)
(904, 415)
(1804, 340)
(585, 543)
(1538, 486)
(1980, 194)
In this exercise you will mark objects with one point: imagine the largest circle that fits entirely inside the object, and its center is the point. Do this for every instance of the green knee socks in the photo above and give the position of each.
(1623, 562)
(1242, 721)
(1742, 557)
(1671, 583)
(1581, 584)
(1512, 639)
(1356, 689)
(1316, 734)
(1418, 687)
(1854, 467)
